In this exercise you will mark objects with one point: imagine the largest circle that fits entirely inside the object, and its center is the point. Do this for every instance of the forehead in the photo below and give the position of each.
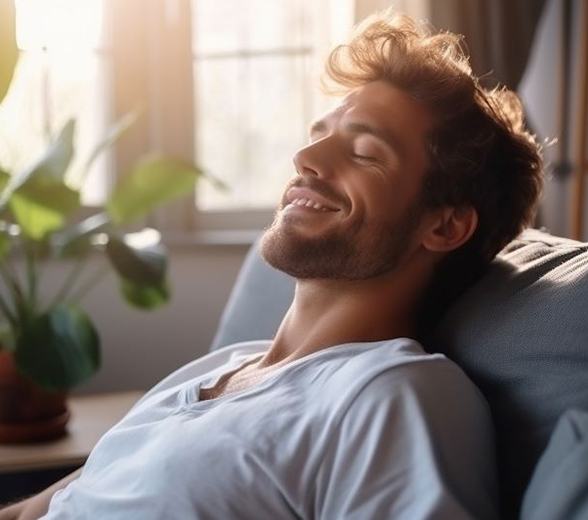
(388, 108)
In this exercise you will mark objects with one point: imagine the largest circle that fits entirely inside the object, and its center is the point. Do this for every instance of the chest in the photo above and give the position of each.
(236, 381)
(190, 450)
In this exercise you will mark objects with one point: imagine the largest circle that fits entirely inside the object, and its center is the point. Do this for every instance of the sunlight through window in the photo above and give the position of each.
(60, 75)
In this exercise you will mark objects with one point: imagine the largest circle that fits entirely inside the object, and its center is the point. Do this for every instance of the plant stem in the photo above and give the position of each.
(90, 283)
(70, 281)
(11, 281)
(5, 309)
(10, 314)
(31, 276)
(46, 95)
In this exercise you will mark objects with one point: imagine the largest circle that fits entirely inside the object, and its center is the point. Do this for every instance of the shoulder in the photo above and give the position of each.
(429, 385)
(391, 377)
(430, 389)
(398, 387)
(395, 368)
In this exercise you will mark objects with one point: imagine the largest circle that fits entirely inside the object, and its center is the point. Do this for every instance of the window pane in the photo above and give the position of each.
(66, 80)
(248, 127)
(243, 25)
(256, 90)
(72, 25)
(47, 90)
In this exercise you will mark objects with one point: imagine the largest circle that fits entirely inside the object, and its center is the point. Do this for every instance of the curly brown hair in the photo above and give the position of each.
(480, 153)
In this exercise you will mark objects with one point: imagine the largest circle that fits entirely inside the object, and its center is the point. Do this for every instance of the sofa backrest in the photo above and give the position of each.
(259, 299)
(559, 487)
(520, 333)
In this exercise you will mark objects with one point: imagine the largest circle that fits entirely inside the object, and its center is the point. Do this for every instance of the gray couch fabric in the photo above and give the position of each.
(259, 299)
(520, 332)
(559, 487)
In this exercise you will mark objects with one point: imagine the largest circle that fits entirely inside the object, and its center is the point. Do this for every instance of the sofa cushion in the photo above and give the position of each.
(259, 299)
(559, 486)
(521, 334)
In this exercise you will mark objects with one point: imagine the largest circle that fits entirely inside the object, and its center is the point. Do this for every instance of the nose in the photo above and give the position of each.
(316, 158)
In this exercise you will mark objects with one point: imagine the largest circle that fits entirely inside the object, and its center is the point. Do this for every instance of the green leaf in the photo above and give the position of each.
(215, 182)
(8, 48)
(152, 182)
(138, 257)
(42, 205)
(112, 135)
(4, 243)
(58, 349)
(141, 263)
(4, 176)
(51, 166)
(4, 179)
(34, 219)
(6, 337)
(145, 296)
(38, 197)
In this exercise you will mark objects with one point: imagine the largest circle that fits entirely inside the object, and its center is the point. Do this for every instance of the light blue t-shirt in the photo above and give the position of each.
(377, 430)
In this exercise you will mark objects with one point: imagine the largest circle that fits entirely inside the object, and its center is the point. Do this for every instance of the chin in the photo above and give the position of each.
(285, 249)
(325, 257)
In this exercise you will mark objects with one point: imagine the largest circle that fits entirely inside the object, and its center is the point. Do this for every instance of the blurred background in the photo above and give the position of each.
(232, 85)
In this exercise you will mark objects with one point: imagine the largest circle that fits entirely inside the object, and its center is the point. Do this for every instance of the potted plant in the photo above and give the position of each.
(49, 344)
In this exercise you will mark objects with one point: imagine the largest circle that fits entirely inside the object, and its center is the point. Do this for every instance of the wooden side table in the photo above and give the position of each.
(28, 468)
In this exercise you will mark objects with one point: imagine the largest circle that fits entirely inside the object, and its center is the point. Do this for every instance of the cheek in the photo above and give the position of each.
(380, 198)
(370, 197)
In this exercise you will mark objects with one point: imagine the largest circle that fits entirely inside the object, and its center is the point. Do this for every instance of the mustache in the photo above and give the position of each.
(318, 186)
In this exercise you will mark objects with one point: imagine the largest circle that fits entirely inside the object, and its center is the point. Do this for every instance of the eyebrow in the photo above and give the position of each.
(363, 128)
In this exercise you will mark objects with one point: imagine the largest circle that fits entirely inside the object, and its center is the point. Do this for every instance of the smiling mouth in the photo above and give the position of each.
(307, 203)
(301, 197)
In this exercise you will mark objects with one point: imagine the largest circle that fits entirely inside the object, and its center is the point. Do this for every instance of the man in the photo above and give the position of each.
(404, 193)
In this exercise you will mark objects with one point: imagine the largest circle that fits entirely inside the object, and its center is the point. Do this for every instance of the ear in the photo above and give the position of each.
(451, 227)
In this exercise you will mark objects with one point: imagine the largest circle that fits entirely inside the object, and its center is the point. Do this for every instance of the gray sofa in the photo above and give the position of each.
(521, 334)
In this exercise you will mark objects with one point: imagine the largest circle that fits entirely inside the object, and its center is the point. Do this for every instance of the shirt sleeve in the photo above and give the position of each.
(416, 442)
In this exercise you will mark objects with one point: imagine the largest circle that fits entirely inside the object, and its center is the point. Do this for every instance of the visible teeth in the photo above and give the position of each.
(309, 204)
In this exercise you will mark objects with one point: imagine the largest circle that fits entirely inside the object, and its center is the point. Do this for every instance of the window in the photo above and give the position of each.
(256, 90)
(60, 74)
(231, 84)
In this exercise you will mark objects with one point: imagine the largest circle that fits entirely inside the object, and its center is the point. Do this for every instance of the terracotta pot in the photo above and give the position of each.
(28, 413)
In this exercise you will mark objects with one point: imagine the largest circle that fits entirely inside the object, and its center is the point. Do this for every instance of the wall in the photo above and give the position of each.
(139, 348)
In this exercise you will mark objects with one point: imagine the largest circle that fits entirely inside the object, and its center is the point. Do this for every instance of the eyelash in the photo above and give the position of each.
(369, 162)
(366, 158)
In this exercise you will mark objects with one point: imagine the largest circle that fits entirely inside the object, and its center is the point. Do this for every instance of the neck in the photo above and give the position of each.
(326, 313)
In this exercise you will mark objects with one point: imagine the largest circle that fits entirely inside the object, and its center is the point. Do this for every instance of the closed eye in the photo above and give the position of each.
(367, 158)
(368, 161)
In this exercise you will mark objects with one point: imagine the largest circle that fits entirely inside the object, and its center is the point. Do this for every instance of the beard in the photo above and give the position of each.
(361, 251)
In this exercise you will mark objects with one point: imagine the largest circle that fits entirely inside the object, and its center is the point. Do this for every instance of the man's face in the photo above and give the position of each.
(354, 207)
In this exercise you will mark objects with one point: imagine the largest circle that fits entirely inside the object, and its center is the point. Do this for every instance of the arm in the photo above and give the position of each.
(37, 505)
